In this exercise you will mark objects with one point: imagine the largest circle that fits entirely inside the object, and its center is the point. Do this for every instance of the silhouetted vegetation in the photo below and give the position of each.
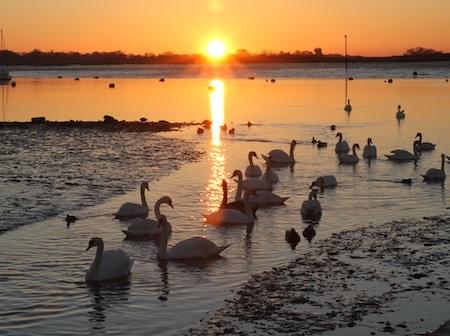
(37, 57)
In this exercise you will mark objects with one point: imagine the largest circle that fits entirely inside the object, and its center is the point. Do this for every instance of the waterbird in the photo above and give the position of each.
(252, 170)
(400, 113)
(188, 249)
(231, 131)
(200, 130)
(311, 208)
(434, 174)
(424, 146)
(342, 145)
(112, 85)
(279, 156)
(70, 219)
(348, 106)
(325, 181)
(309, 233)
(148, 227)
(107, 265)
(333, 127)
(350, 158)
(370, 150)
(133, 210)
(238, 203)
(224, 216)
(401, 155)
(292, 237)
(252, 183)
(321, 144)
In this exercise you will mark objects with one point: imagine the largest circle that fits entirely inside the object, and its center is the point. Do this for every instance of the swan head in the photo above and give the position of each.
(418, 135)
(252, 154)
(355, 146)
(94, 242)
(293, 143)
(145, 186)
(237, 173)
(313, 194)
(167, 200)
(369, 141)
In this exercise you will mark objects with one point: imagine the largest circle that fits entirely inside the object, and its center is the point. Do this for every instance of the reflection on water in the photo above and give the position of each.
(216, 101)
(5, 94)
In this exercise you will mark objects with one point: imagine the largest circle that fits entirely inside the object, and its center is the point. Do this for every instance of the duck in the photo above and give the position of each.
(311, 208)
(424, 146)
(321, 144)
(350, 158)
(309, 233)
(107, 265)
(401, 155)
(370, 150)
(252, 170)
(434, 174)
(70, 219)
(342, 145)
(238, 204)
(269, 175)
(200, 130)
(400, 113)
(144, 228)
(133, 210)
(231, 131)
(188, 249)
(313, 141)
(252, 184)
(292, 237)
(348, 106)
(278, 156)
(224, 216)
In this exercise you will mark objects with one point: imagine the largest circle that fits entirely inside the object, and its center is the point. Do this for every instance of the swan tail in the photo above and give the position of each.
(221, 248)
(125, 232)
(388, 156)
(284, 199)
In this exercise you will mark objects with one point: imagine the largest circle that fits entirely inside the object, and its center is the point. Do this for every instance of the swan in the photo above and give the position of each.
(321, 144)
(400, 113)
(341, 145)
(424, 146)
(252, 184)
(109, 264)
(147, 227)
(311, 208)
(292, 237)
(133, 210)
(370, 150)
(238, 204)
(192, 248)
(436, 175)
(350, 158)
(232, 216)
(348, 106)
(401, 155)
(269, 175)
(325, 181)
(252, 170)
(279, 156)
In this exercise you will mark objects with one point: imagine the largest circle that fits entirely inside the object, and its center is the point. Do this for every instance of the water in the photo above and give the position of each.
(43, 263)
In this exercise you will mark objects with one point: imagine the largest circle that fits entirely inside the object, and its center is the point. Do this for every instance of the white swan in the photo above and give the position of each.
(279, 156)
(325, 181)
(311, 208)
(350, 158)
(232, 216)
(400, 113)
(148, 227)
(252, 184)
(370, 150)
(348, 106)
(109, 264)
(269, 175)
(252, 170)
(401, 155)
(436, 175)
(342, 145)
(424, 146)
(133, 210)
(192, 248)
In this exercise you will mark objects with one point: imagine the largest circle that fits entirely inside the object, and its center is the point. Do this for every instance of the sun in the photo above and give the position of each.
(216, 49)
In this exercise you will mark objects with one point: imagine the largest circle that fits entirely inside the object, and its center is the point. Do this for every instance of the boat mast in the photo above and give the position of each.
(346, 68)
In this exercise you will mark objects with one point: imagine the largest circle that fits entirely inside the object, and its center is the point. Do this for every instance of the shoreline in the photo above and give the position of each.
(355, 282)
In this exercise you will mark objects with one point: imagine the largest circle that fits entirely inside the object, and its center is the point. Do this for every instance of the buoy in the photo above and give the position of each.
(112, 85)
(13, 84)
(162, 79)
(273, 80)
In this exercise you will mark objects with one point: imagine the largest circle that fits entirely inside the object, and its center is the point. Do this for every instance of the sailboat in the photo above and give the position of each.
(348, 106)
(4, 73)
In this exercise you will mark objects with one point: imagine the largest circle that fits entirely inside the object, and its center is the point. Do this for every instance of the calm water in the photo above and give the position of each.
(43, 263)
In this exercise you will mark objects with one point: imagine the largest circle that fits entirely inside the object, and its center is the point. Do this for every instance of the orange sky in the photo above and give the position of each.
(374, 27)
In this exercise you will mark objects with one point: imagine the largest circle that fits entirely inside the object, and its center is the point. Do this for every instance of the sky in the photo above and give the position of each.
(374, 27)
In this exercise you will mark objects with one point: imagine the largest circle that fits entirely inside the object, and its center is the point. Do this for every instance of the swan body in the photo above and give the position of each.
(400, 113)
(142, 228)
(269, 175)
(436, 175)
(401, 155)
(348, 106)
(326, 181)
(264, 199)
(350, 158)
(188, 249)
(311, 208)
(256, 184)
(252, 170)
(133, 210)
(107, 265)
(232, 216)
(279, 156)
(370, 150)
(424, 146)
(342, 145)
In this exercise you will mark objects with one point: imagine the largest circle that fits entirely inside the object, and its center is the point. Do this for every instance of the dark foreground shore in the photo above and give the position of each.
(388, 279)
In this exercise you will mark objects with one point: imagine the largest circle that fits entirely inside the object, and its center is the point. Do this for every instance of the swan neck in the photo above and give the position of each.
(291, 151)
(143, 200)
(98, 258)
(250, 159)
(157, 208)
(225, 196)
(162, 251)
(238, 196)
(248, 207)
(340, 138)
(443, 165)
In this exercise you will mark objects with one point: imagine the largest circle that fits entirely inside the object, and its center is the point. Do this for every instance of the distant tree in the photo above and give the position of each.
(417, 51)
(318, 51)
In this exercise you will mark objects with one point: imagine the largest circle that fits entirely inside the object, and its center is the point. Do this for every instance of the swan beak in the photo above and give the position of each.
(88, 248)
(171, 205)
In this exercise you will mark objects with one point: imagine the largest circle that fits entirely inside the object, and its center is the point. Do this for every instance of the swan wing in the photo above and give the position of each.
(195, 248)
(143, 227)
(114, 264)
(253, 171)
(132, 210)
(253, 184)
(227, 216)
(266, 198)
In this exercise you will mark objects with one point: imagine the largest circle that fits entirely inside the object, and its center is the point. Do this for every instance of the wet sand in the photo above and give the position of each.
(387, 279)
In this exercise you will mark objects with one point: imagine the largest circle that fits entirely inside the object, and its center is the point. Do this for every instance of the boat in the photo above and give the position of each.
(4, 73)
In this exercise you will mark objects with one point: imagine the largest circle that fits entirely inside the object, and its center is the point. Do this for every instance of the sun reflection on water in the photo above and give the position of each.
(217, 150)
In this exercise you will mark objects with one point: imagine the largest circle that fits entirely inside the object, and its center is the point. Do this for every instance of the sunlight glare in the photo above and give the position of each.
(216, 49)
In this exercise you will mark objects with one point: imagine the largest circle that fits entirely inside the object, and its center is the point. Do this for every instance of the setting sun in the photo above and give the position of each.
(216, 49)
